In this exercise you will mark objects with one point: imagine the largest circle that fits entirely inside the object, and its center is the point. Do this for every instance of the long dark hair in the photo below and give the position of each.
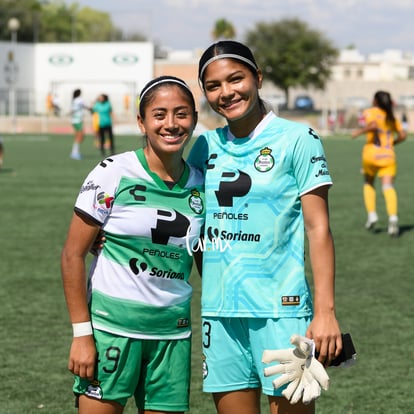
(384, 101)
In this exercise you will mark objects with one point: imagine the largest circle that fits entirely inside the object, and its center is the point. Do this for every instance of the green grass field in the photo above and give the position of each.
(39, 184)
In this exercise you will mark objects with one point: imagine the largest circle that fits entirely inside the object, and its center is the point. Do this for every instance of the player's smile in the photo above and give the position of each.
(173, 138)
(234, 106)
(230, 105)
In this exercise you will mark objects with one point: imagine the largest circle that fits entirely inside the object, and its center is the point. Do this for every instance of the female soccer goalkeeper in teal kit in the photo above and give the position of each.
(267, 180)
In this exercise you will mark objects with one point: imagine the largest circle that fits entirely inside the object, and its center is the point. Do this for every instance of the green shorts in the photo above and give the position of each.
(78, 126)
(155, 372)
(233, 349)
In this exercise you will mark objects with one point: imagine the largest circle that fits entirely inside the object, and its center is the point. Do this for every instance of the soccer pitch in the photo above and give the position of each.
(39, 184)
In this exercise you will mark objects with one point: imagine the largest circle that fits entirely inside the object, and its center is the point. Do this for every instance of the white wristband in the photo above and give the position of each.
(82, 329)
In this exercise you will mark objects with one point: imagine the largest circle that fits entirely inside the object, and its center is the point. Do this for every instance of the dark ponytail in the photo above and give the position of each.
(383, 100)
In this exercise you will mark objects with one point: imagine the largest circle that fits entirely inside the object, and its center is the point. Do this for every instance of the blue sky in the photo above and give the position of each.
(371, 25)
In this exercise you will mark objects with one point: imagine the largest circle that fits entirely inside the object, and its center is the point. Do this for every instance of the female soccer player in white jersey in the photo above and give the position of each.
(131, 324)
(266, 180)
(77, 108)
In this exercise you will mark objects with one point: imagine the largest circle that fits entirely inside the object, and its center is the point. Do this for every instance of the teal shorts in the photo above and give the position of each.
(233, 349)
(155, 372)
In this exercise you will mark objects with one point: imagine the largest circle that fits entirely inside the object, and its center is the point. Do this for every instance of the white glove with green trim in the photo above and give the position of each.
(304, 373)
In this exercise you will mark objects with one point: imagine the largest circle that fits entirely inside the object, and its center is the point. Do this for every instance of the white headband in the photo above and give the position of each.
(162, 81)
(224, 56)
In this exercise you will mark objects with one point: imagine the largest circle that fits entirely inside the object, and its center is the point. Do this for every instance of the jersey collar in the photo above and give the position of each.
(179, 184)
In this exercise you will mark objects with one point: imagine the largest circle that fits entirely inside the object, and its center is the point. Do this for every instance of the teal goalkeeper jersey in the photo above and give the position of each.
(139, 282)
(253, 262)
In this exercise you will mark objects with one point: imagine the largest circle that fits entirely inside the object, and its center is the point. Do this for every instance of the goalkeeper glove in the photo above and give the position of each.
(304, 374)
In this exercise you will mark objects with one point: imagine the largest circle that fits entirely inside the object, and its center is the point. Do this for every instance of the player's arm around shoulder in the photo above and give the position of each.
(324, 328)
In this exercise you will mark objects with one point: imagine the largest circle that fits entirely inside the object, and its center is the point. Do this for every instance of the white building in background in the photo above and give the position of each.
(390, 65)
(356, 78)
(116, 69)
(354, 81)
(120, 69)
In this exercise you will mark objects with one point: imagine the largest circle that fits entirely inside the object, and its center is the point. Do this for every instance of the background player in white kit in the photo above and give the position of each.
(76, 111)
(266, 180)
(132, 327)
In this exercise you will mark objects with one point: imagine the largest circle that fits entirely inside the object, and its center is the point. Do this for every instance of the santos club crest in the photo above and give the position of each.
(195, 201)
(265, 161)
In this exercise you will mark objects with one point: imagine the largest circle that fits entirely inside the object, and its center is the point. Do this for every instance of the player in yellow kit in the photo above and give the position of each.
(383, 130)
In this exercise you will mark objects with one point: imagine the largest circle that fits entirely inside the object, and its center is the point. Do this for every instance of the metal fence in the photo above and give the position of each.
(24, 102)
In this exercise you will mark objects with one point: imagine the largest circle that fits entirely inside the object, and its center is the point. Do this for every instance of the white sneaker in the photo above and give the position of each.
(76, 156)
(393, 229)
(372, 220)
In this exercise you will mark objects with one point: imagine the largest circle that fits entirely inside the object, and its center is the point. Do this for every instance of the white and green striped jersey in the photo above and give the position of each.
(253, 263)
(77, 108)
(139, 282)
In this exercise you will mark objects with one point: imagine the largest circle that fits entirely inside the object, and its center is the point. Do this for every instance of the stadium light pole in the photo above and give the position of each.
(13, 24)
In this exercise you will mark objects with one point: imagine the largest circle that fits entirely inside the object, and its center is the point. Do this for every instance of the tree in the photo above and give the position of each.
(56, 21)
(223, 29)
(292, 54)
(26, 11)
(62, 23)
